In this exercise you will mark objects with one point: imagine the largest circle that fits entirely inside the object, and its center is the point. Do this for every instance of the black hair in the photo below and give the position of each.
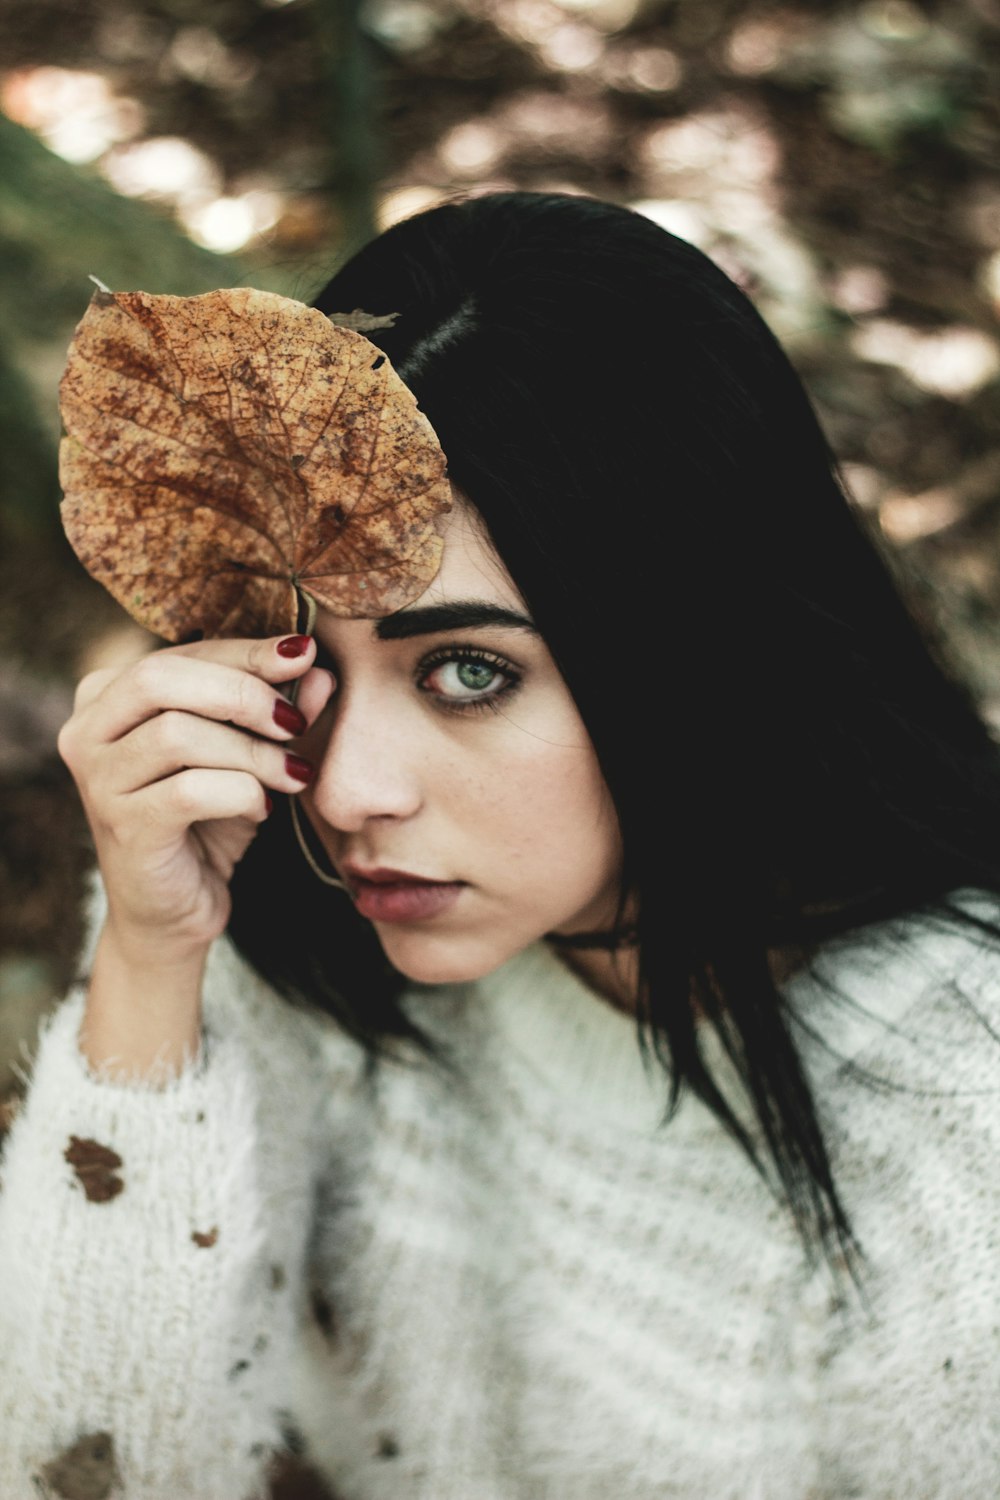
(790, 754)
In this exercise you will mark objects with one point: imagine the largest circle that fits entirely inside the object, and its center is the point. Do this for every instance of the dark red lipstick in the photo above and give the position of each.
(386, 895)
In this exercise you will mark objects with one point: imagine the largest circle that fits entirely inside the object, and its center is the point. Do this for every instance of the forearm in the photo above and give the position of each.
(135, 1294)
(143, 1012)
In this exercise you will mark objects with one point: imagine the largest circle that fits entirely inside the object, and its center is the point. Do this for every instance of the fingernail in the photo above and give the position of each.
(293, 645)
(287, 716)
(298, 768)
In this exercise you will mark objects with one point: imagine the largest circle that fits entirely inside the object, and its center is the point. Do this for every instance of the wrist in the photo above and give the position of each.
(142, 952)
(143, 1010)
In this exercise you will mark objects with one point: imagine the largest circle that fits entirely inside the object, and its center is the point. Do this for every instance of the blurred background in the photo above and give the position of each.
(840, 160)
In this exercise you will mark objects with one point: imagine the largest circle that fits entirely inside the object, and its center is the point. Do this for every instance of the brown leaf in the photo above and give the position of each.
(87, 1471)
(95, 1166)
(363, 322)
(225, 452)
(205, 1240)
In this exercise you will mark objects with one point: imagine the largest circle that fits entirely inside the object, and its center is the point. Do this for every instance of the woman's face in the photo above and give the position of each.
(451, 749)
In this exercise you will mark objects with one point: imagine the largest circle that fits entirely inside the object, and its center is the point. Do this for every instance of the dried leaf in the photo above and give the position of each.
(363, 322)
(227, 452)
(206, 1239)
(96, 1168)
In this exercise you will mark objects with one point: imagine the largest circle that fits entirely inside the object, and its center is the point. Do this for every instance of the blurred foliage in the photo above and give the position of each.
(839, 159)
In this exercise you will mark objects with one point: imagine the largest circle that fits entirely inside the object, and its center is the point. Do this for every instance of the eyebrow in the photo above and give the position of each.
(460, 614)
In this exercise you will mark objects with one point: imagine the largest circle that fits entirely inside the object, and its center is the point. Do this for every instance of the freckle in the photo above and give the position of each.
(86, 1471)
(96, 1168)
(206, 1241)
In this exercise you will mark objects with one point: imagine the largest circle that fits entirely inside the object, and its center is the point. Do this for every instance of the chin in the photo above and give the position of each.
(442, 958)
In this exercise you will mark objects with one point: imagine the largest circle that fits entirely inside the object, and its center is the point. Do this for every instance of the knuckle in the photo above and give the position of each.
(169, 730)
(248, 694)
(148, 677)
(250, 788)
(66, 739)
(260, 657)
(266, 758)
(91, 684)
(185, 793)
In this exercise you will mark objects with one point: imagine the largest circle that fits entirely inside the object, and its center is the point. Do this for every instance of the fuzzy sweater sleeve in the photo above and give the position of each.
(152, 1242)
(907, 1384)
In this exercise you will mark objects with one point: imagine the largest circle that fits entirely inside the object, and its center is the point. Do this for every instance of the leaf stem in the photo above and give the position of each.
(305, 624)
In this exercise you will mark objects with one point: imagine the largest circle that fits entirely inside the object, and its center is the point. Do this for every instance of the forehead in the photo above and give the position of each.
(470, 568)
(471, 588)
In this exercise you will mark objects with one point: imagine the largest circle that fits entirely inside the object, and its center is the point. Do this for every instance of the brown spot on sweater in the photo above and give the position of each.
(96, 1167)
(87, 1471)
(323, 1313)
(277, 1278)
(291, 1478)
(10, 1107)
(387, 1446)
(206, 1241)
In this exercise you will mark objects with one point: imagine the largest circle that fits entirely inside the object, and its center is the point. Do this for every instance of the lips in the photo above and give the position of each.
(384, 876)
(385, 895)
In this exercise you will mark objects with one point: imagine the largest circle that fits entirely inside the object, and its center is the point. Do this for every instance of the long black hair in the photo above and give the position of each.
(790, 756)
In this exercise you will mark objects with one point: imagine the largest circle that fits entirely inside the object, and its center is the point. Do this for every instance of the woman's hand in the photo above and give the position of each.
(172, 756)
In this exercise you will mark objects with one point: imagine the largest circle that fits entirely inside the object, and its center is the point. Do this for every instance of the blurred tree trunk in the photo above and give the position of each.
(29, 486)
(349, 97)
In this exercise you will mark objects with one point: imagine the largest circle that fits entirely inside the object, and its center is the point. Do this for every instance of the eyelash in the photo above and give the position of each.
(491, 699)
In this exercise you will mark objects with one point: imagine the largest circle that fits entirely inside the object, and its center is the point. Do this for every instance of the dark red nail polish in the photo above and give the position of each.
(293, 645)
(299, 768)
(287, 716)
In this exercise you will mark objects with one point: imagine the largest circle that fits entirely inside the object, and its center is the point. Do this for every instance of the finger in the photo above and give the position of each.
(316, 689)
(92, 685)
(174, 741)
(164, 681)
(195, 796)
(276, 658)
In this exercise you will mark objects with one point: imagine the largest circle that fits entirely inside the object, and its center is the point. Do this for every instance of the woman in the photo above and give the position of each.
(632, 1127)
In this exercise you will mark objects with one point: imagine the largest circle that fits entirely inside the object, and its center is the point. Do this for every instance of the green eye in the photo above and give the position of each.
(475, 675)
(467, 680)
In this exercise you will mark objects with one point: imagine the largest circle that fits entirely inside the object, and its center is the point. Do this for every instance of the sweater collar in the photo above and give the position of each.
(587, 1052)
(583, 1049)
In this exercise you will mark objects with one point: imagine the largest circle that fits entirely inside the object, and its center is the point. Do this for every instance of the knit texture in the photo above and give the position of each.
(506, 1280)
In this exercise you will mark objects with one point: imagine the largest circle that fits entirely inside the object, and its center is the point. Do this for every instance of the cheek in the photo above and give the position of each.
(550, 812)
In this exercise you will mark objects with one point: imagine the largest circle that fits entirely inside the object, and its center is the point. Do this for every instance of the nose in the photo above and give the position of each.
(369, 766)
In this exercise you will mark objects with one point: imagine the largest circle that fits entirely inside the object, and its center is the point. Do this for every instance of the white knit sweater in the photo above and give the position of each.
(506, 1283)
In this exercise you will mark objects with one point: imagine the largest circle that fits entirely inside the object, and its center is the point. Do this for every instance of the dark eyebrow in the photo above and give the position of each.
(461, 614)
